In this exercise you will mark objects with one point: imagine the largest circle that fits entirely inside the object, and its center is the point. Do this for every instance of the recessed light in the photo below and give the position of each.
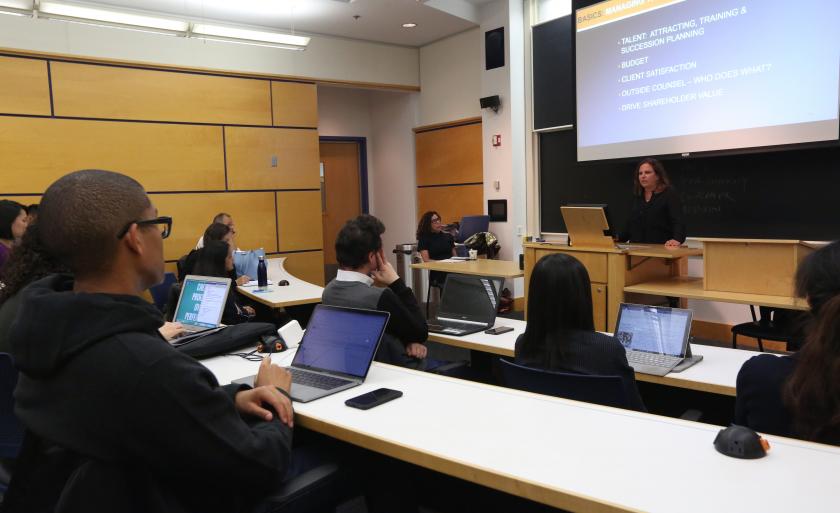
(409, 25)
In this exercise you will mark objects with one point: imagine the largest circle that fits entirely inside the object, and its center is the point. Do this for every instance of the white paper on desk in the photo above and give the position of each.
(254, 283)
(452, 261)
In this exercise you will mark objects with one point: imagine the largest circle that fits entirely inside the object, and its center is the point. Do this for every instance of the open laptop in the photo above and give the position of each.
(335, 354)
(656, 338)
(200, 306)
(468, 305)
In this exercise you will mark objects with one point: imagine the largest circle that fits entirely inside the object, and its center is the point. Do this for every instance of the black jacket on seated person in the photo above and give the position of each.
(109, 405)
(585, 352)
(758, 394)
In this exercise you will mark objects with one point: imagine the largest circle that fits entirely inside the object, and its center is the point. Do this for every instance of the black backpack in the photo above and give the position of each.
(226, 340)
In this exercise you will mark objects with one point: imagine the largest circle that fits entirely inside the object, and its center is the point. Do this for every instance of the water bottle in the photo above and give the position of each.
(262, 275)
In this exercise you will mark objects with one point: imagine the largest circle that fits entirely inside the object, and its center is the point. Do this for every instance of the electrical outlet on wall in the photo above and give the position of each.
(274, 161)
(519, 231)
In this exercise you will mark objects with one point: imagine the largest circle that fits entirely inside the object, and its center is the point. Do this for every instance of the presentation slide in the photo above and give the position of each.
(647, 328)
(201, 303)
(658, 77)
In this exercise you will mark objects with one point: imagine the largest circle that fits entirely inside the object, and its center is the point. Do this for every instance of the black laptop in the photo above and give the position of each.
(468, 305)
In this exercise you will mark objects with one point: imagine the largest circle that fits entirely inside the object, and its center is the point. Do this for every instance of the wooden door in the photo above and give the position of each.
(341, 189)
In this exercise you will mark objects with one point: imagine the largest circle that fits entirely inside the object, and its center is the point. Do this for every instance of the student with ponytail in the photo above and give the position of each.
(799, 395)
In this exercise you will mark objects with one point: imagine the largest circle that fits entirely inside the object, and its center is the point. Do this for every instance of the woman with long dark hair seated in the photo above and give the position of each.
(216, 259)
(560, 334)
(799, 395)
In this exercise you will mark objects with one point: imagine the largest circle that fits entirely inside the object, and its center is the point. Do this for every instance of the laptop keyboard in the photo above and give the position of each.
(652, 359)
(452, 326)
(315, 380)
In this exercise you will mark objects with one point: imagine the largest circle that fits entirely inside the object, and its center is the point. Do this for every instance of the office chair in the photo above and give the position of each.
(604, 390)
(11, 430)
(160, 292)
(771, 324)
(471, 225)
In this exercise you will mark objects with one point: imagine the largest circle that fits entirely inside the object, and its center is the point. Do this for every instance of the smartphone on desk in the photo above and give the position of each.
(375, 398)
(498, 330)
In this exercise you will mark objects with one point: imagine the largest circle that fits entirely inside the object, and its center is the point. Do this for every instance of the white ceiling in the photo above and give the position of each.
(379, 20)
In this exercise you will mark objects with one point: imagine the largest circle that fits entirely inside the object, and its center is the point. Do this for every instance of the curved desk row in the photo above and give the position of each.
(570, 455)
(715, 374)
(297, 292)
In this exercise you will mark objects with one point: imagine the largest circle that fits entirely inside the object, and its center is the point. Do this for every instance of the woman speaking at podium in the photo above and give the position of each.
(656, 217)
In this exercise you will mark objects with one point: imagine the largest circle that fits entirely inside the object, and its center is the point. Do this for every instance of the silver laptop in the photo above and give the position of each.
(468, 305)
(200, 306)
(655, 338)
(335, 354)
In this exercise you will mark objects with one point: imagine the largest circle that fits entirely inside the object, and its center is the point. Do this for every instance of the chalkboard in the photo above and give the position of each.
(790, 194)
(553, 84)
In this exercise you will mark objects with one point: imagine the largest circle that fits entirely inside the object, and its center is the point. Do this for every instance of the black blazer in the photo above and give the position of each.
(584, 352)
(655, 221)
(758, 389)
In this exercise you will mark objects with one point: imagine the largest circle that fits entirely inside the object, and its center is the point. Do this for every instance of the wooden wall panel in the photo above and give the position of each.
(252, 212)
(449, 155)
(24, 86)
(85, 90)
(250, 152)
(34, 152)
(294, 104)
(299, 220)
(452, 203)
(308, 266)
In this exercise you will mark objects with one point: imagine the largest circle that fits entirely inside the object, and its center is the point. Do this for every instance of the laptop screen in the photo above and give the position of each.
(341, 340)
(202, 301)
(653, 329)
(469, 298)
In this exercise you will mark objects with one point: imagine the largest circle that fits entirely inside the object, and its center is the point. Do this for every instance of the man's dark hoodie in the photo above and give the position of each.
(122, 419)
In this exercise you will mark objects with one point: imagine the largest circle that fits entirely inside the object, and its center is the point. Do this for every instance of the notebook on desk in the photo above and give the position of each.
(655, 338)
(468, 305)
(335, 353)
(200, 306)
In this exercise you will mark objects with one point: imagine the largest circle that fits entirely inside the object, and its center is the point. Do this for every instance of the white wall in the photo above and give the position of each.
(450, 78)
(393, 115)
(385, 119)
(325, 58)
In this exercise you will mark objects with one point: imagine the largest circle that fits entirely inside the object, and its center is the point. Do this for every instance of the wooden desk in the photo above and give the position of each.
(297, 292)
(612, 269)
(715, 374)
(692, 288)
(567, 454)
(747, 271)
(482, 267)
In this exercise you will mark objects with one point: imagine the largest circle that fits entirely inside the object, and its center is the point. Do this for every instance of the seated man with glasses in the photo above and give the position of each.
(116, 419)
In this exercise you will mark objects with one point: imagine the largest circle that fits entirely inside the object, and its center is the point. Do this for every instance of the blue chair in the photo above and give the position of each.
(605, 390)
(470, 225)
(11, 430)
(160, 292)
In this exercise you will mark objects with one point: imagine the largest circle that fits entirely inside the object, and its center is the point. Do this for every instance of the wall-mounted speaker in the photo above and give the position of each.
(494, 48)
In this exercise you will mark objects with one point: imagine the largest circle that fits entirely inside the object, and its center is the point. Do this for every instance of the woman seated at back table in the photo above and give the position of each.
(799, 395)
(434, 244)
(560, 334)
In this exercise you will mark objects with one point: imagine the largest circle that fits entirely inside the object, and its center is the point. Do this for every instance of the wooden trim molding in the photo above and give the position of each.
(448, 124)
(13, 52)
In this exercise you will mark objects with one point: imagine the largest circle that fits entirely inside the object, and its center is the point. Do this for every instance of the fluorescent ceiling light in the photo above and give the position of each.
(249, 35)
(122, 18)
(17, 4)
(409, 25)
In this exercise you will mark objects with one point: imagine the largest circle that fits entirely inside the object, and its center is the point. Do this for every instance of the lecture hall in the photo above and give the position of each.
(434, 256)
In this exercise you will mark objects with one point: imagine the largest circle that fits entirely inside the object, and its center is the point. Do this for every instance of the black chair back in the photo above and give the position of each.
(11, 430)
(605, 390)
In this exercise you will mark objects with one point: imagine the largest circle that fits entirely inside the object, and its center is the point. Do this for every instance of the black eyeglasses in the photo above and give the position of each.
(166, 221)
